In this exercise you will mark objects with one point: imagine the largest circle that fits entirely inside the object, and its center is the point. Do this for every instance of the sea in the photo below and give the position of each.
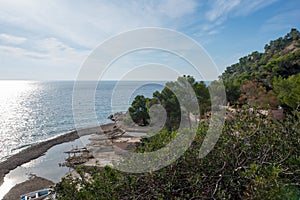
(34, 111)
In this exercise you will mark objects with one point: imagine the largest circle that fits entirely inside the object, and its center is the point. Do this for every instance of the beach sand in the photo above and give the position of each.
(109, 146)
(38, 149)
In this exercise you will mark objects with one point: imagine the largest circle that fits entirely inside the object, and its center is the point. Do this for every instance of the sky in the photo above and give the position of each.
(51, 39)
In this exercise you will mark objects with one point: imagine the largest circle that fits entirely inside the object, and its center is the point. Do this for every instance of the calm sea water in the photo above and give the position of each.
(34, 111)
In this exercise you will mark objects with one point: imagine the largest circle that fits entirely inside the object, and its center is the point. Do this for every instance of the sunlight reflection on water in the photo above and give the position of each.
(33, 111)
(15, 115)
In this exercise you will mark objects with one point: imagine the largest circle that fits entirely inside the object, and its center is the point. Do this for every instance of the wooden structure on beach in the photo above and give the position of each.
(77, 156)
(77, 152)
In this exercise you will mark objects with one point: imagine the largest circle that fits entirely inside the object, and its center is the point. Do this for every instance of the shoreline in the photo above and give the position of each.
(38, 149)
(112, 139)
(33, 184)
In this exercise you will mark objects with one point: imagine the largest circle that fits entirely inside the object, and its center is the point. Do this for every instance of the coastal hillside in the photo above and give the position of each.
(280, 60)
(255, 157)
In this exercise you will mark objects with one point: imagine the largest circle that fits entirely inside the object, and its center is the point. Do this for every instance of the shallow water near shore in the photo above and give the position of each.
(46, 166)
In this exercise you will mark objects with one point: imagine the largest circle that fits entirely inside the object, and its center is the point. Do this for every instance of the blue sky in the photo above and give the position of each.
(49, 40)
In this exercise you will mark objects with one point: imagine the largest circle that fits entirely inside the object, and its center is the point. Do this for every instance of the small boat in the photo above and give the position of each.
(37, 195)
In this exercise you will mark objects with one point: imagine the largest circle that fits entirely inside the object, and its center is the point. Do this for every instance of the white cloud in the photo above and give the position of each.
(57, 49)
(48, 59)
(62, 33)
(220, 9)
(87, 24)
(6, 50)
(53, 44)
(213, 32)
(177, 8)
(49, 50)
(12, 39)
(250, 6)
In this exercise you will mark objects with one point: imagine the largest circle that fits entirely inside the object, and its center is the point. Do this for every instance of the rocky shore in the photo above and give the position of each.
(106, 144)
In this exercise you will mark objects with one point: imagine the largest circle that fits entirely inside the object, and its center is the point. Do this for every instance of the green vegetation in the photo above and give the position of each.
(280, 59)
(256, 157)
(169, 101)
(138, 111)
(288, 91)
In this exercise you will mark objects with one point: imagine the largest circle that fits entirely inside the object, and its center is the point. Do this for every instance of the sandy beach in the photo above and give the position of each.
(38, 149)
(106, 140)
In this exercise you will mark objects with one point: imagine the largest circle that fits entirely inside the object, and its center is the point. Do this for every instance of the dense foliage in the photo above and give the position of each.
(280, 59)
(169, 101)
(255, 158)
(288, 91)
(138, 110)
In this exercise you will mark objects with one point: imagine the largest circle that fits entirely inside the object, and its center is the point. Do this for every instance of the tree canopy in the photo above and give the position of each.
(280, 59)
(288, 91)
(138, 110)
(168, 99)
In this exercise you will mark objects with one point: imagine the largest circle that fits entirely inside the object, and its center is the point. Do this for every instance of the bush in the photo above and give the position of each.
(255, 158)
